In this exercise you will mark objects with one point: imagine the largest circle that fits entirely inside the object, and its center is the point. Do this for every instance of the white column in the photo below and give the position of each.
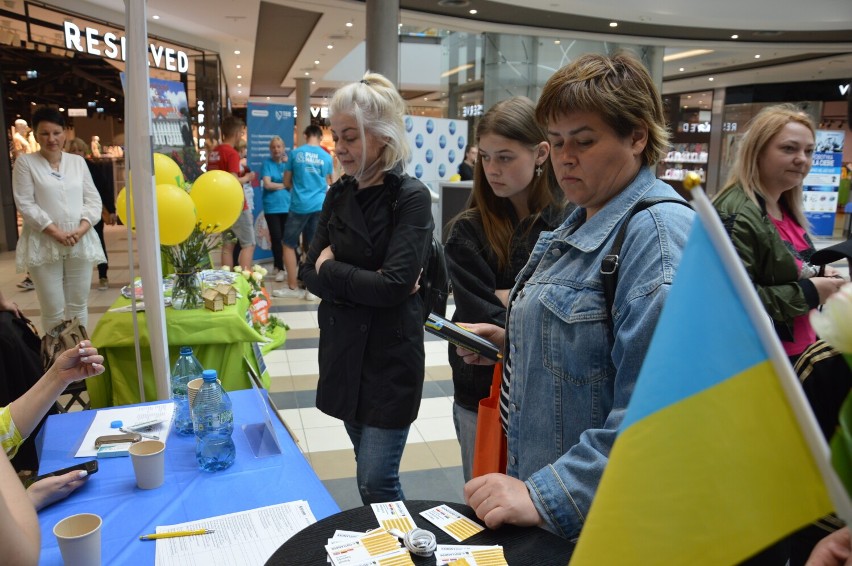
(139, 160)
(383, 38)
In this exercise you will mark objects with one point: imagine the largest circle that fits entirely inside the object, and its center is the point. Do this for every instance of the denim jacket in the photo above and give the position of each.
(571, 381)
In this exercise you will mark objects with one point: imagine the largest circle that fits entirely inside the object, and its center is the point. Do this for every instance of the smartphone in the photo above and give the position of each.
(455, 334)
(91, 467)
(117, 439)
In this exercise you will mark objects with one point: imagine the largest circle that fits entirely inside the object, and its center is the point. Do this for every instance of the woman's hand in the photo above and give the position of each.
(827, 286)
(833, 550)
(416, 283)
(79, 363)
(50, 490)
(324, 256)
(490, 332)
(500, 500)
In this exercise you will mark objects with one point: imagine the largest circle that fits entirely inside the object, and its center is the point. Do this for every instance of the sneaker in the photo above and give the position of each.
(27, 284)
(103, 284)
(310, 296)
(280, 275)
(287, 293)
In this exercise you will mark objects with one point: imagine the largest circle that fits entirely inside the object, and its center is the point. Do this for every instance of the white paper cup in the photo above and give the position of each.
(149, 463)
(79, 538)
(192, 388)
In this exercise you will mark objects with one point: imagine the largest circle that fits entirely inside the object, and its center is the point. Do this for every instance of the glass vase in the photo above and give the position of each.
(186, 292)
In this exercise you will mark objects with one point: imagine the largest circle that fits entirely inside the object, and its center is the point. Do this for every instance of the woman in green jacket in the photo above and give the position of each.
(761, 207)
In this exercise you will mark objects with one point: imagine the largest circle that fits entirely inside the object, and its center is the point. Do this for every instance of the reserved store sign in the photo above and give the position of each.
(89, 40)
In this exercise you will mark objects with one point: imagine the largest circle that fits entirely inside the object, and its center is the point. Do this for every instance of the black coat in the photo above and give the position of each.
(371, 356)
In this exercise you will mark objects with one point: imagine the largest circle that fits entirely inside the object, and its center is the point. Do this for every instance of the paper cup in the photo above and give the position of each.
(79, 538)
(192, 388)
(149, 463)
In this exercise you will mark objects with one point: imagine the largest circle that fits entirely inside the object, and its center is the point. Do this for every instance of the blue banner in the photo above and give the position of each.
(823, 181)
(263, 122)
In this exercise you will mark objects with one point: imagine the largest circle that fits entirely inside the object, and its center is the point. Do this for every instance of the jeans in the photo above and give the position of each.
(465, 422)
(304, 224)
(378, 452)
(62, 288)
(276, 221)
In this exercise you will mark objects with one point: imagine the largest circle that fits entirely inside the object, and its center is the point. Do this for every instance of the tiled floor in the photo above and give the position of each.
(431, 465)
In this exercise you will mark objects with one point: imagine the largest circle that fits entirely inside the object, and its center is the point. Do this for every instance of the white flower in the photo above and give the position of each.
(226, 268)
(256, 267)
(834, 323)
(246, 274)
(238, 269)
(258, 277)
(264, 271)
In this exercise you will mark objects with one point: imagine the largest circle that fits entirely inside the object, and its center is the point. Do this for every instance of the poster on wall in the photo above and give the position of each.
(823, 181)
(263, 122)
(437, 148)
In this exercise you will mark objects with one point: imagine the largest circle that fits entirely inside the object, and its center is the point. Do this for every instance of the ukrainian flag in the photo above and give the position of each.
(710, 465)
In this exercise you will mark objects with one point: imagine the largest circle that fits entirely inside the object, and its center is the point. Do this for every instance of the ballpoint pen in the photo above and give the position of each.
(176, 534)
(142, 434)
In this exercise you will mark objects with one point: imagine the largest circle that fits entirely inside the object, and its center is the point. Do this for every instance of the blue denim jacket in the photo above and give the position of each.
(570, 381)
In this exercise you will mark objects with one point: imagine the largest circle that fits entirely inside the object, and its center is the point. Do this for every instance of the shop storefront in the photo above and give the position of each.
(74, 62)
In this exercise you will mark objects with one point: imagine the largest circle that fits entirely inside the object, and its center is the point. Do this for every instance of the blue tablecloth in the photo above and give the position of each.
(188, 493)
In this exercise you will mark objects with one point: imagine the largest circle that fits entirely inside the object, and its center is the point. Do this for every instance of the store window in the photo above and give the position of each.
(689, 119)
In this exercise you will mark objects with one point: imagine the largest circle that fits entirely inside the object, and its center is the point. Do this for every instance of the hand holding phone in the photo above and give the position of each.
(49, 488)
(90, 467)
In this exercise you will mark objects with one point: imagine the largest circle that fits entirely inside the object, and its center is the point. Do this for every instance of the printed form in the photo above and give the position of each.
(248, 537)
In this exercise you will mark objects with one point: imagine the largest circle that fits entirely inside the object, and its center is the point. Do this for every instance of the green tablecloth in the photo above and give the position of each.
(220, 340)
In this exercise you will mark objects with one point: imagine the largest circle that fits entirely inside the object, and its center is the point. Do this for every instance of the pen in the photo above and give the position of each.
(142, 434)
(176, 534)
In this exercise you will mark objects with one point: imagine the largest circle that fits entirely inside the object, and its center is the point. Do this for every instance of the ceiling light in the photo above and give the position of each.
(686, 54)
(757, 56)
(688, 96)
(239, 92)
(349, 24)
(735, 36)
(313, 82)
(62, 110)
(156, 17)
(236, 51)
(426, 98)
(14, 82)
(329, 46)
(239, 66)
(307, 74)
(112, 99)
(239, 84)
(267, 98)
(239, 76)
(613, 24)
(556, 42)
(316, 62)
(473, 12)
(681, 69)
(710, 79)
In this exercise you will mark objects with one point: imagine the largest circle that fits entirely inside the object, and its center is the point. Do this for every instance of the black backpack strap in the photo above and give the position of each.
(611, 262)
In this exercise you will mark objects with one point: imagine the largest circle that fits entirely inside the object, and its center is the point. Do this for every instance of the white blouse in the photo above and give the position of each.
(64, 198)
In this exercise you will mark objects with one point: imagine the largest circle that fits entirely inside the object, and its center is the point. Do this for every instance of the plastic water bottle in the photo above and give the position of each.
(186, 369)
(213, 419)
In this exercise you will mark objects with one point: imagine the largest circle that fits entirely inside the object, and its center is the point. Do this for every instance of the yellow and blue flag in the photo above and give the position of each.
(711, 464)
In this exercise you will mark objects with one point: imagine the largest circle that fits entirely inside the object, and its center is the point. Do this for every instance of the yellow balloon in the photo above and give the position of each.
(166, 171)
(175, 214)
(121, 206)
(218, 198)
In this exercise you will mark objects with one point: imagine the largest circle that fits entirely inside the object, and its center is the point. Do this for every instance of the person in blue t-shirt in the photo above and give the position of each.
(276, 200)
(308, 173)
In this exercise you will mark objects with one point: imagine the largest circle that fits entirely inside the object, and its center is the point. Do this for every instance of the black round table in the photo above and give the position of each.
(521, 546)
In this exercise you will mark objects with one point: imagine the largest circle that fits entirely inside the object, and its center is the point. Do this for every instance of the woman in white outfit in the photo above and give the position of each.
(59, 203)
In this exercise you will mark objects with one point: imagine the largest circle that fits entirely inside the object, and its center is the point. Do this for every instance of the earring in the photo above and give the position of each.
(538, 170)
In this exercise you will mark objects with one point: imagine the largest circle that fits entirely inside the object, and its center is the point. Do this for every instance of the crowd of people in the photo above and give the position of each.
(552, 180)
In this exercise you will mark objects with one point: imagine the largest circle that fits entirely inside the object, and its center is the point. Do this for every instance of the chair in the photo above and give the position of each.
(75, 390)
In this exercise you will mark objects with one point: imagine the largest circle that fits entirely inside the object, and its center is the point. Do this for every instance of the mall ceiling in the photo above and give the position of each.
(266, 44)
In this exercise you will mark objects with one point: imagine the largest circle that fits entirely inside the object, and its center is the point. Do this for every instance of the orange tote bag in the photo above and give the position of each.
(489, 454)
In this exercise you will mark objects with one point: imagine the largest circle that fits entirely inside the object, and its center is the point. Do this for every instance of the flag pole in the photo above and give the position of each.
(780, 362)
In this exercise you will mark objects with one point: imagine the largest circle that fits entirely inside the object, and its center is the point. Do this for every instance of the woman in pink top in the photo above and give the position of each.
(761, 207)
